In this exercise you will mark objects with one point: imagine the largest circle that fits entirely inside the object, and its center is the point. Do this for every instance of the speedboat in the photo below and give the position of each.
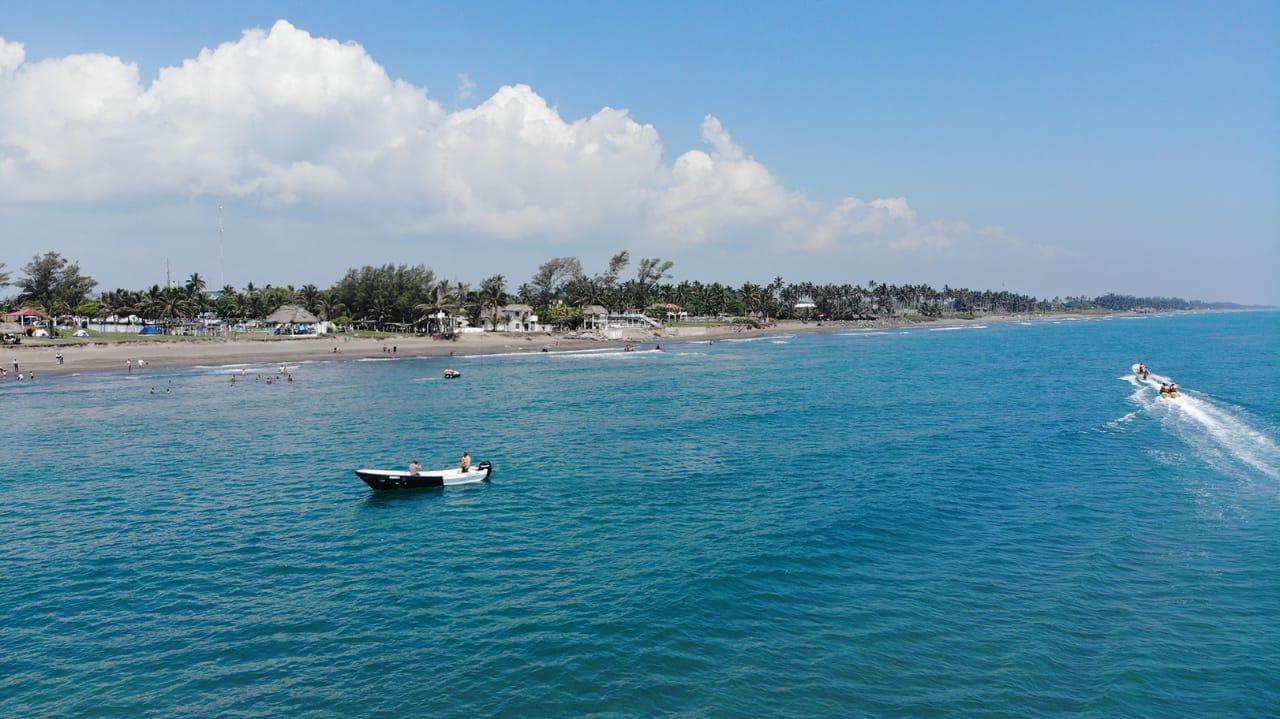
(427, 478)
(1162, 385)
(452, 374)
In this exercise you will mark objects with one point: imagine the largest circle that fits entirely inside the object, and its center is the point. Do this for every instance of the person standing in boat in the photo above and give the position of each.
(415, 468)
(466, 462)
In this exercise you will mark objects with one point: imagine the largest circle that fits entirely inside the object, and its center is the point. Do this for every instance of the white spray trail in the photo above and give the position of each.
(1210, 428)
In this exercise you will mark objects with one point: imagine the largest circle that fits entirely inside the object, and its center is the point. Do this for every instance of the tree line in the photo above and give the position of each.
(412, 296)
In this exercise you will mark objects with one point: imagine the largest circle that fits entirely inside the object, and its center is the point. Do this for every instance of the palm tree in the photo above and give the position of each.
(195, 284)
(309, 298)
(443, 301)
(329, 306)
(493, 296)
(4, 276)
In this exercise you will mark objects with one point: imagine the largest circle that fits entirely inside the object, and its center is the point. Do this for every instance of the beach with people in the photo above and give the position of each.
(80, 356)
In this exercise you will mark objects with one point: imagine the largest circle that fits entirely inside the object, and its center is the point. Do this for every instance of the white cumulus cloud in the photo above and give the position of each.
(296, 123)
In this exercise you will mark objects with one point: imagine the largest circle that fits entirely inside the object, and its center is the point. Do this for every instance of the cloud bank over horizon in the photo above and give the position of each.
(313, 127)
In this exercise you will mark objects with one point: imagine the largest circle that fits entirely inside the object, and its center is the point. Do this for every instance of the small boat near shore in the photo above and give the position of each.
(424, 479)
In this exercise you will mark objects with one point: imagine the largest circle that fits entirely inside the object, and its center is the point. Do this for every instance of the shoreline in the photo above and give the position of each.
(95, 358)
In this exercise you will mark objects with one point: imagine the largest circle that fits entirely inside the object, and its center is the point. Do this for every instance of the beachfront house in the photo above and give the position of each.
(632, 320)
(519, 318)
(673, 312)
(595, 317)
(292, 320)
(26, 317)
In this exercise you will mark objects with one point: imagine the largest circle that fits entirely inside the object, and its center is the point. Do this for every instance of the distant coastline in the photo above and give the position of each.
(99, 357)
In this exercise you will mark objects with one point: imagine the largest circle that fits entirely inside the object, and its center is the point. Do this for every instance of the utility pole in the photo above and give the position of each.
(168, 283)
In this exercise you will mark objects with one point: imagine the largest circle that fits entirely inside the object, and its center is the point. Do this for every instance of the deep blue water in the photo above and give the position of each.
(979, 521)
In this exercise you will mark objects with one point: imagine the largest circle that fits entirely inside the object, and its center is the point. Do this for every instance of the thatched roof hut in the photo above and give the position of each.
(291, 315)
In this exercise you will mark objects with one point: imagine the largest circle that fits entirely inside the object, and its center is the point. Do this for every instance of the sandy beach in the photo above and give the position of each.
(90, 356)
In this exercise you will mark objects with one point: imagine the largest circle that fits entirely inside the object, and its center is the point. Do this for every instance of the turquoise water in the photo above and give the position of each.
(975, 521)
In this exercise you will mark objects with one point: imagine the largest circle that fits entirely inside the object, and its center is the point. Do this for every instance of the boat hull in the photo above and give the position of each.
(428, 479)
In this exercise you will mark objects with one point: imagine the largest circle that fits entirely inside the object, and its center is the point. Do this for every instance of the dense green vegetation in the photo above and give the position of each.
(405, 296)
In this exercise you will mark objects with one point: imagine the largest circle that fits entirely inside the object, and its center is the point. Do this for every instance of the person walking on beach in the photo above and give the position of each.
(15, 365)
(129, 364)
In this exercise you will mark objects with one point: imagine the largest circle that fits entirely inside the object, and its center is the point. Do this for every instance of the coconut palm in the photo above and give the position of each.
(493, 296)
(309, 298)
(443, 301)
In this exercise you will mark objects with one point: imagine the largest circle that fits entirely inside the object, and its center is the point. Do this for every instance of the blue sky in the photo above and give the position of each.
(1105, 141)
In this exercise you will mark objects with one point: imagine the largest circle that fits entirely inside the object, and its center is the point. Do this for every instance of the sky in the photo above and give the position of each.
(1054, 149)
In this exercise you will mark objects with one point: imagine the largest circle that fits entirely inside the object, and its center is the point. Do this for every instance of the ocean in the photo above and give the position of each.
(982, 521)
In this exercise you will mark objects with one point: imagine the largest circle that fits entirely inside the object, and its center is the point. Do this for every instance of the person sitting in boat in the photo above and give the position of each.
(1164, 388)
(1173, 388)
(415, 467)
(1142, 371)
(466, 462)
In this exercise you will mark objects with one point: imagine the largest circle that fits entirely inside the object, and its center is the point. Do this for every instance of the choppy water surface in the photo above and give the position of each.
(994, 520)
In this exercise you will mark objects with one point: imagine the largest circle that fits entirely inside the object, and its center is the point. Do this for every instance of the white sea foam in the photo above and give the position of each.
(1115, 423)
(862, 334)
(614, 354)
(957, 327)
(761, 339)
(252, 369)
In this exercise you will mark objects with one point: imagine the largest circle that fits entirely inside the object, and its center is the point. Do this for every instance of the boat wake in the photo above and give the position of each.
(1222, 436)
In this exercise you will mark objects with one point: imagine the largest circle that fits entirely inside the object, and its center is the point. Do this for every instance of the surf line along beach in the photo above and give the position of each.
(116, 356)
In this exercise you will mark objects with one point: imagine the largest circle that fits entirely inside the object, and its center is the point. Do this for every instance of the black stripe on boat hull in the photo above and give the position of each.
(412, 481)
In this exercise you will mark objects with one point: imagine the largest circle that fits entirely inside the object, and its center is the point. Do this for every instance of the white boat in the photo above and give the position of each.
(426, 478)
